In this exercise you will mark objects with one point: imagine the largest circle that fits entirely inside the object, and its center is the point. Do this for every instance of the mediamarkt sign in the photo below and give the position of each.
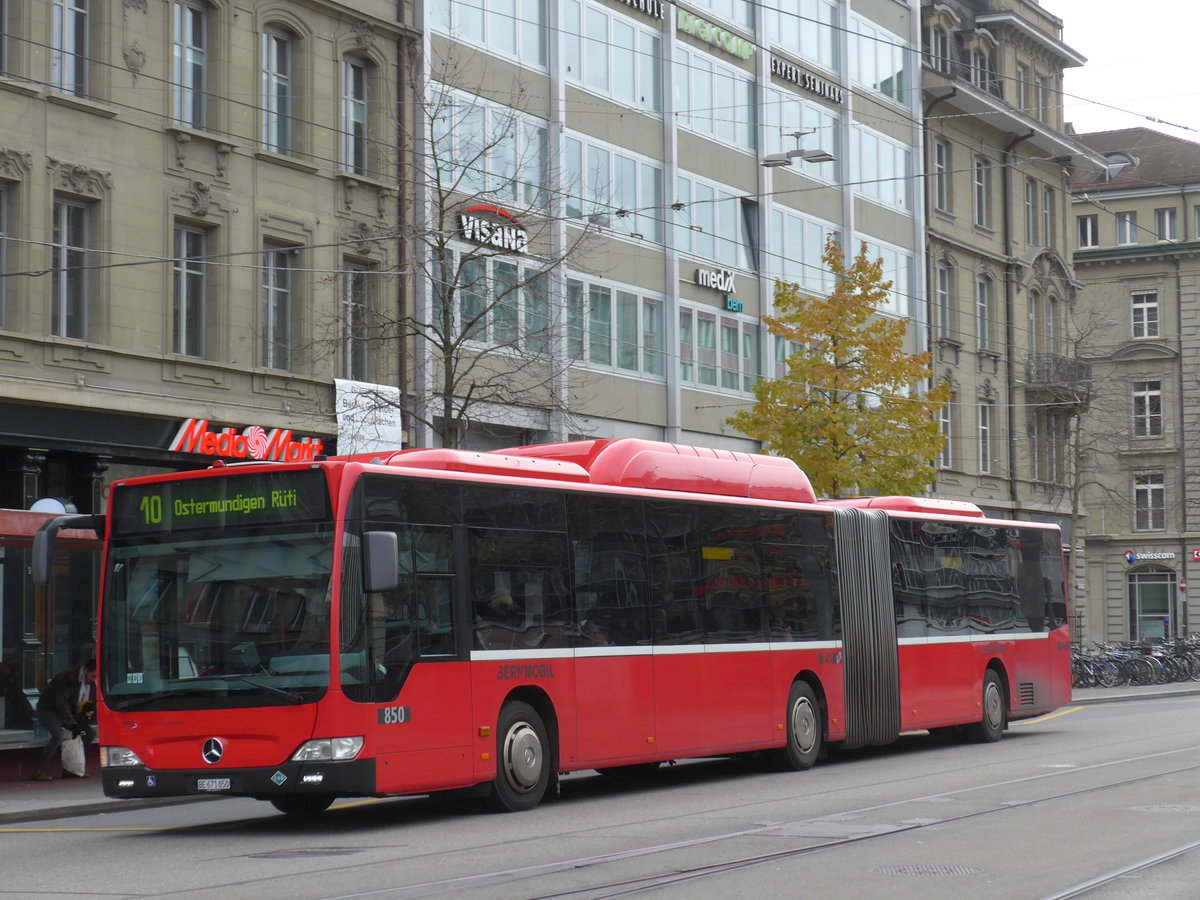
(253, 442)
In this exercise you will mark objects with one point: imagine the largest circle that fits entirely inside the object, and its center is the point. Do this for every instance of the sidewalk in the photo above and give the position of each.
(27, 801)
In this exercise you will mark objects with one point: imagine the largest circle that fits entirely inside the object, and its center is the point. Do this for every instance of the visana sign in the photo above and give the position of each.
(510, 235)
(253, 442)
(706, 31)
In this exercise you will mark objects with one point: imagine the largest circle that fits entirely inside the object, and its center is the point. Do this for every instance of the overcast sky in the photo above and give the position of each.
(1142, 58)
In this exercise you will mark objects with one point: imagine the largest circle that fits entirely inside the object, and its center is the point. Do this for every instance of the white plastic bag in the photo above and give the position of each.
(73, 760)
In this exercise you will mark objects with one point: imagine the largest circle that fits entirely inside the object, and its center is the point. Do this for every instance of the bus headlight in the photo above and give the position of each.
(326, 749)
(119, 756)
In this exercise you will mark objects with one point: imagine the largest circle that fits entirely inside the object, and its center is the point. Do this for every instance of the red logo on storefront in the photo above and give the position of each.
(253, 442)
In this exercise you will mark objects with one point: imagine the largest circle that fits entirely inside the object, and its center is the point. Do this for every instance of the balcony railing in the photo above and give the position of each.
(1058, 374)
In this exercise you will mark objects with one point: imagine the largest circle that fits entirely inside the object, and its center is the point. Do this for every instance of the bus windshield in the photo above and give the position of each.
(231, 614)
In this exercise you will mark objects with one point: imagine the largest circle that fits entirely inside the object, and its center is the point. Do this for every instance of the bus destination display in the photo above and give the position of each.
(244, 499)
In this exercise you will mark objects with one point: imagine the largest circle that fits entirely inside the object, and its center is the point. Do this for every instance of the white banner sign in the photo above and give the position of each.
(368, 417)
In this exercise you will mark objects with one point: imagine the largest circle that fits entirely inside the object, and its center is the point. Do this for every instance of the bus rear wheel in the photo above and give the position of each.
(804, 729)
(995, 711)
(302, 804)
(523, 759)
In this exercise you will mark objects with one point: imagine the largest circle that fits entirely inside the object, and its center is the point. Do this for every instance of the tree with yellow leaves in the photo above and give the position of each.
(851, 409)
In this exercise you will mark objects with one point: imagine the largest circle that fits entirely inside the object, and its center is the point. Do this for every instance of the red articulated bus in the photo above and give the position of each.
(430, 620)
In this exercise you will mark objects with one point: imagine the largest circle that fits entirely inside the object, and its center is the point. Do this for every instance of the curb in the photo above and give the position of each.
(1119, 696)
(96, 808)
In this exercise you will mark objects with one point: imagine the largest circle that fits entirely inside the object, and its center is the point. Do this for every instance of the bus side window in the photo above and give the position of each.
(674, 567)
(608, 549)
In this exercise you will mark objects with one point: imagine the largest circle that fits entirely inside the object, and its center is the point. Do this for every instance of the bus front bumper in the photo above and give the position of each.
(348, 778)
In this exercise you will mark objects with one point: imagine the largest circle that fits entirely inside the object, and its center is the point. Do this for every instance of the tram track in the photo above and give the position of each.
(673, 866)
(632, 886)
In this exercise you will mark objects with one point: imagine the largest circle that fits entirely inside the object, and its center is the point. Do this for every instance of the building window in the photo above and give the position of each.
(797, 245)
(496, 26)
(1050, 438)
(812, 35)
(357, 282)
(941, 175)
(1147, 408)
(937, 48)
(277, 90)
(1150, 502)
(1041, 98)
(1144, 313)
(983, 312)
(739, 12)
(981, 69)
(945, 459)
(490, 149)
(714, 100)
(1031, 218)
(943, 294)
(1036, 337)
(1021, 83)
(1127, 228)
(879, 60)
(612, 56)
(718, 351)
(897, 268)
(882, 169)
(709, 223)
(1166, 224)
(986, 409)
(188, 90)
(190, 291)
(69, 282)
(982, 182)
(613, 327)
(503, 304)
(69, 50)
(1047, 216)
(785, 114)
(1089, 230)
(609, 186)
(278, 307)
(354, 116)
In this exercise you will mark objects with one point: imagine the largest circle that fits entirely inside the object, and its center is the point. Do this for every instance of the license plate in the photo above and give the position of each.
(213, 784)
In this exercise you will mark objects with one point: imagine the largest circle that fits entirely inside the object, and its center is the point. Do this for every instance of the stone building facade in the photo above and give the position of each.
(1136, 231)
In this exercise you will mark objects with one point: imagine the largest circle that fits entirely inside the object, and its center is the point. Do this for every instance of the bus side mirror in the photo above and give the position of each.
(381, 561)
(44, 540)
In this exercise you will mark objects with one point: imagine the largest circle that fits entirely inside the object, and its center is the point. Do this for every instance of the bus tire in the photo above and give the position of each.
(523, 759)
(995, 711)
(804, 731)
(302, 804)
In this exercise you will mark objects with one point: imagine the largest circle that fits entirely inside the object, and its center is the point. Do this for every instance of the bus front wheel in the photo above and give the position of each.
(803, 731)
(523, 759)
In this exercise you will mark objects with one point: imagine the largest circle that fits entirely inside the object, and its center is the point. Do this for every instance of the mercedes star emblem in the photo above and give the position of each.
(213, 751)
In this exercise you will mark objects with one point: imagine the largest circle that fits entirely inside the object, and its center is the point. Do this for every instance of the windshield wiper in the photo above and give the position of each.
(291, 695)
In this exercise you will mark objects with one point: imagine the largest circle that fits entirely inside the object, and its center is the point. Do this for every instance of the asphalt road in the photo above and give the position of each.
(1098, 801)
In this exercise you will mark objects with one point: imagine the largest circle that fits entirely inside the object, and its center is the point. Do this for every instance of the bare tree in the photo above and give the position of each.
(483, 321)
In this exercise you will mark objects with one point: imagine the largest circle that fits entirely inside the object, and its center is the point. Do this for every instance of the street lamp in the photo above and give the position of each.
(785, 159)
